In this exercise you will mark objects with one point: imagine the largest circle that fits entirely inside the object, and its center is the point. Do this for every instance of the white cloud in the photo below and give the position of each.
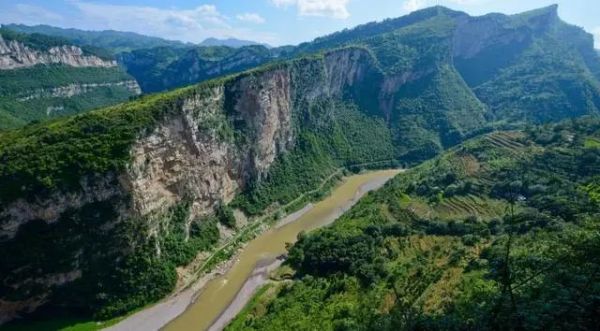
(327, 8)
(28, 14)
(596, 33)
(412, 5)
(251, 18)
(191, 24)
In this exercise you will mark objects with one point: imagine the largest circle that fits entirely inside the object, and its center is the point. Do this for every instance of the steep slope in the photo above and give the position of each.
(164, 68)
(131, 183)
(428, 251)
(44, 77)
(533, 54)
(525, 67)
(115, 41)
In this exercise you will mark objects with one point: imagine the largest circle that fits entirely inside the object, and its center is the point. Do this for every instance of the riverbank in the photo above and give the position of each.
(216, 298)
(260, 274)
(160, 314)
(180, 303)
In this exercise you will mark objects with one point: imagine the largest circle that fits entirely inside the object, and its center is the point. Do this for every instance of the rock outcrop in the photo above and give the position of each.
(72, 90)
(15, 54)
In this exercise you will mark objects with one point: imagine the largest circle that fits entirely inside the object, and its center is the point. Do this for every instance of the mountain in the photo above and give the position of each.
(165, 68)
(46, 77)
(428, 251)
(115, 41)
(102, 207)
(230, 42)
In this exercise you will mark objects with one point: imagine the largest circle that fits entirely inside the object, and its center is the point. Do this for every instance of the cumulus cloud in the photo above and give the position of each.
(251, 18)
(327, 8)
(191, 24)
(596, 33)
(412, 5)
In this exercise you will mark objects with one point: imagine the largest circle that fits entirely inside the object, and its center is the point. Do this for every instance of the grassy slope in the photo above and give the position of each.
(426, 250)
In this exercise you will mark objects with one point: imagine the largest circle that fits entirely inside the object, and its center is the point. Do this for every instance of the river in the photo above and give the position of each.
(222, 297)
(218, 294)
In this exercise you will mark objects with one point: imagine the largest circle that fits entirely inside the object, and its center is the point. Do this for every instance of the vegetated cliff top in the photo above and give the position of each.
(45, 42)
(115, 41)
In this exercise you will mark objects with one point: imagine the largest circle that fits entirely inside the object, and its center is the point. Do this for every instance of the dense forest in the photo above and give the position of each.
(500, 232)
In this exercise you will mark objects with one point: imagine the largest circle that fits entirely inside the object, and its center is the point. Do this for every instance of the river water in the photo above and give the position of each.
(219, 293)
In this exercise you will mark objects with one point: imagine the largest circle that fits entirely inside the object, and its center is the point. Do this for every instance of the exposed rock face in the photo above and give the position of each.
(72, 90)
(192, 154)
(51, 207)
(180, 159)
(474, 34)
(14, 54)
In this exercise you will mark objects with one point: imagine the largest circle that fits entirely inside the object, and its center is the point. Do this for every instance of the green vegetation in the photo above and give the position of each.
(390, 264)
(44, 42)
(336, 135)
(48, 91)
(44, 157)
(115, 41)
(165, 68)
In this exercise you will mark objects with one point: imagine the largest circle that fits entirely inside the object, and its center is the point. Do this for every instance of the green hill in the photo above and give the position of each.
(115, 41)
(164, 68)
(428, 251)
(45, 77)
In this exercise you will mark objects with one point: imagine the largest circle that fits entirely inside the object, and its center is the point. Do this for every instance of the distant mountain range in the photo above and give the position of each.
(44, 77)
(230, 42)
(118, 41)
(115, 41)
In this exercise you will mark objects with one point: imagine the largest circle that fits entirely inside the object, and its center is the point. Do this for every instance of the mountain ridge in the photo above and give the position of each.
(230, 42)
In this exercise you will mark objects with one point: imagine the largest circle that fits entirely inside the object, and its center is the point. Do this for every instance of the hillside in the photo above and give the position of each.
(165, 68)
(428, 251)
(105, 205)
(46, 77)
(114, 41)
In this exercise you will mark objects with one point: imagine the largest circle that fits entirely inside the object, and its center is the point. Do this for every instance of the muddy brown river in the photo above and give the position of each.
(212, 303)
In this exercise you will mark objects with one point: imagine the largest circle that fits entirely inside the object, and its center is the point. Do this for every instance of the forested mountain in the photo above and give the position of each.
(107, 204)
(44, 77)
(499, 233)
(163, 68)
(229, 42)
(114, 41)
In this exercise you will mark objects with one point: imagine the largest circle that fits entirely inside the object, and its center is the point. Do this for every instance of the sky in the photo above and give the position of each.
(276, 22)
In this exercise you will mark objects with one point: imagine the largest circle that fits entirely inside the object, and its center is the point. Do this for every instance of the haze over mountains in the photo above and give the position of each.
(104, 206)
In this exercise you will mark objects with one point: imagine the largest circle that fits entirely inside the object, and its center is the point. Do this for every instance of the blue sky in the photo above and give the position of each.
(276, 22)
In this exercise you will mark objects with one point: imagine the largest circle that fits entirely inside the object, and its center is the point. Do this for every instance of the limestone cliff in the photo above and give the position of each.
(190, 155)
(15, 54)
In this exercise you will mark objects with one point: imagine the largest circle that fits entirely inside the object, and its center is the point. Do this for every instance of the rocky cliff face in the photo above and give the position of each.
(191, 155)
(72, 90)
(15, 54)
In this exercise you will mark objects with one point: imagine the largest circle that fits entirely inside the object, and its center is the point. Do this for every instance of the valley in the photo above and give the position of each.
(148, 183)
